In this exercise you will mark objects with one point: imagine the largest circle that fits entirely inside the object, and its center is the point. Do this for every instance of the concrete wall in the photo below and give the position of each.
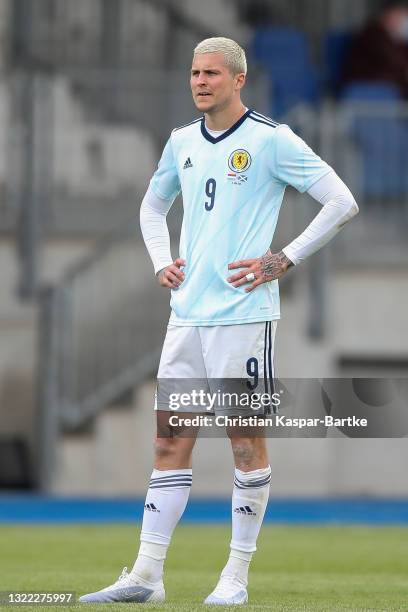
(93, 160)
(117, 460)
(19, 339)
(5, 13)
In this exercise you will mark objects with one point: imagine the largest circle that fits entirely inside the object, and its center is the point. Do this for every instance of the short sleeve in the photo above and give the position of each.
(294, 163)
(165, 181)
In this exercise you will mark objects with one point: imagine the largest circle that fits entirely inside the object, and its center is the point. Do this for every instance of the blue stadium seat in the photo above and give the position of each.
(371, 91)
(275, 46)
(283, 53)
(336, 45)
(382, 137)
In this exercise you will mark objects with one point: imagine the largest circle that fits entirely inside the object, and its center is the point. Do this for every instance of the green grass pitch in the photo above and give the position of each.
(295, 568)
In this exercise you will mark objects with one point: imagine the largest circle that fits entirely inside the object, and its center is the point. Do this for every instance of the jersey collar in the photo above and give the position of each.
(232, 129)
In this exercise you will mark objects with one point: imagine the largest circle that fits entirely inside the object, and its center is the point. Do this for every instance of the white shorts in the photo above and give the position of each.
(216, 358)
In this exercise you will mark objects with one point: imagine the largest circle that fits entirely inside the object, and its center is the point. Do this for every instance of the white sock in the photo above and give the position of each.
(249, 501)
(165, 503)
(237, 566)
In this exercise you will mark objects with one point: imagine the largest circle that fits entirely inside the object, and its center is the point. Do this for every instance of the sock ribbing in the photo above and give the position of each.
(253, 479)
(165, 503)
(249, 501)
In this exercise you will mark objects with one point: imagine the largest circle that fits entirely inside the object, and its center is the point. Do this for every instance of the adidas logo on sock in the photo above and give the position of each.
(245, 510)
(187, 164)
(151, 508)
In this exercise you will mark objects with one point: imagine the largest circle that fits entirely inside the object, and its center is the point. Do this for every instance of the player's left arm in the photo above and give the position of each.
(338, 208)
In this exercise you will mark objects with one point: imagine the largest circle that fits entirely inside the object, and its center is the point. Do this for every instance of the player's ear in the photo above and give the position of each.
(240, 80)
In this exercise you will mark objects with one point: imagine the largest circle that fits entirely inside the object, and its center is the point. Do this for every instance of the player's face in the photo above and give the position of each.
(212, 84)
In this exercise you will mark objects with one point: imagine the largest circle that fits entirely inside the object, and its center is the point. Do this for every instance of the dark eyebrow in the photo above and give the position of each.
(207, 70)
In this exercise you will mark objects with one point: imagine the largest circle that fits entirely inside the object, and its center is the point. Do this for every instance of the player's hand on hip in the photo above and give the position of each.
(269, 267)
(172, 276)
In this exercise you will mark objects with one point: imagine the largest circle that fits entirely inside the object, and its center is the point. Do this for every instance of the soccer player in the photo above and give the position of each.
(232, 166)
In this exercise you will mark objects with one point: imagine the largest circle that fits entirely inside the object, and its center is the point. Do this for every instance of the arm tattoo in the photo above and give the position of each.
(273, 265)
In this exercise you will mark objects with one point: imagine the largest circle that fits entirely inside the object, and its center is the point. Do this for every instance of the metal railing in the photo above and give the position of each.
(82, 147)
(80, 150)
(100, 336)
(131, 33)
(70, 153)
(367, 145)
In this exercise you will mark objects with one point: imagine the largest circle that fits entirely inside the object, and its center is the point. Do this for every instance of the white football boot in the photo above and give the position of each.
(229, 591)
(127, 590)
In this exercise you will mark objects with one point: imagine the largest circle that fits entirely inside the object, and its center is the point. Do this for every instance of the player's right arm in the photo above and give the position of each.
(163, 189)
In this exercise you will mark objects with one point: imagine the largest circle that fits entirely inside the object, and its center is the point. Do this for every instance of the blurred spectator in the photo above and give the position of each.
(380, 51)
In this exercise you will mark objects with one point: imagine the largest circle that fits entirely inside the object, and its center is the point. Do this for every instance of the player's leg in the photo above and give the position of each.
(166, 498)
(170, 483)
(170, 480)
(252, 352)
(249, 500)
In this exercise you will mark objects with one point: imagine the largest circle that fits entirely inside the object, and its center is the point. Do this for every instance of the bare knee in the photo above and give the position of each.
(249, 453)
(172, 453)
(243, 451)
(164, 448)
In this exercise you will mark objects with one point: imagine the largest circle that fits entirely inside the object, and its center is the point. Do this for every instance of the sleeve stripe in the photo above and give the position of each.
(262, 121)
(187, 124)
(265, 118)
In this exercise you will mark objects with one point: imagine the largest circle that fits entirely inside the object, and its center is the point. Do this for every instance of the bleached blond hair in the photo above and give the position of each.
(234, 54)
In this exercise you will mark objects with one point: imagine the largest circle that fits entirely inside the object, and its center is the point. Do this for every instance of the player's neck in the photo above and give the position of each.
(224, 119)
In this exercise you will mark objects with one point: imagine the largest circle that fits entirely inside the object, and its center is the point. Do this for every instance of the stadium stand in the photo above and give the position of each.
(336, 44)
(284, 55)
(381, 136)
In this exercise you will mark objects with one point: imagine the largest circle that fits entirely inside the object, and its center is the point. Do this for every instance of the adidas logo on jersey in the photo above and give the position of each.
(187, 164)
(151, 508)
(245, 510)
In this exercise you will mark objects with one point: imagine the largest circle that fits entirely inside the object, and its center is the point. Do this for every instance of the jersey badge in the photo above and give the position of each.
(238, 162)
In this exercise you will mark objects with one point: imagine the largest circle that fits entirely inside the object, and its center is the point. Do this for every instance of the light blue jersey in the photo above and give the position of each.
(233, 187)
